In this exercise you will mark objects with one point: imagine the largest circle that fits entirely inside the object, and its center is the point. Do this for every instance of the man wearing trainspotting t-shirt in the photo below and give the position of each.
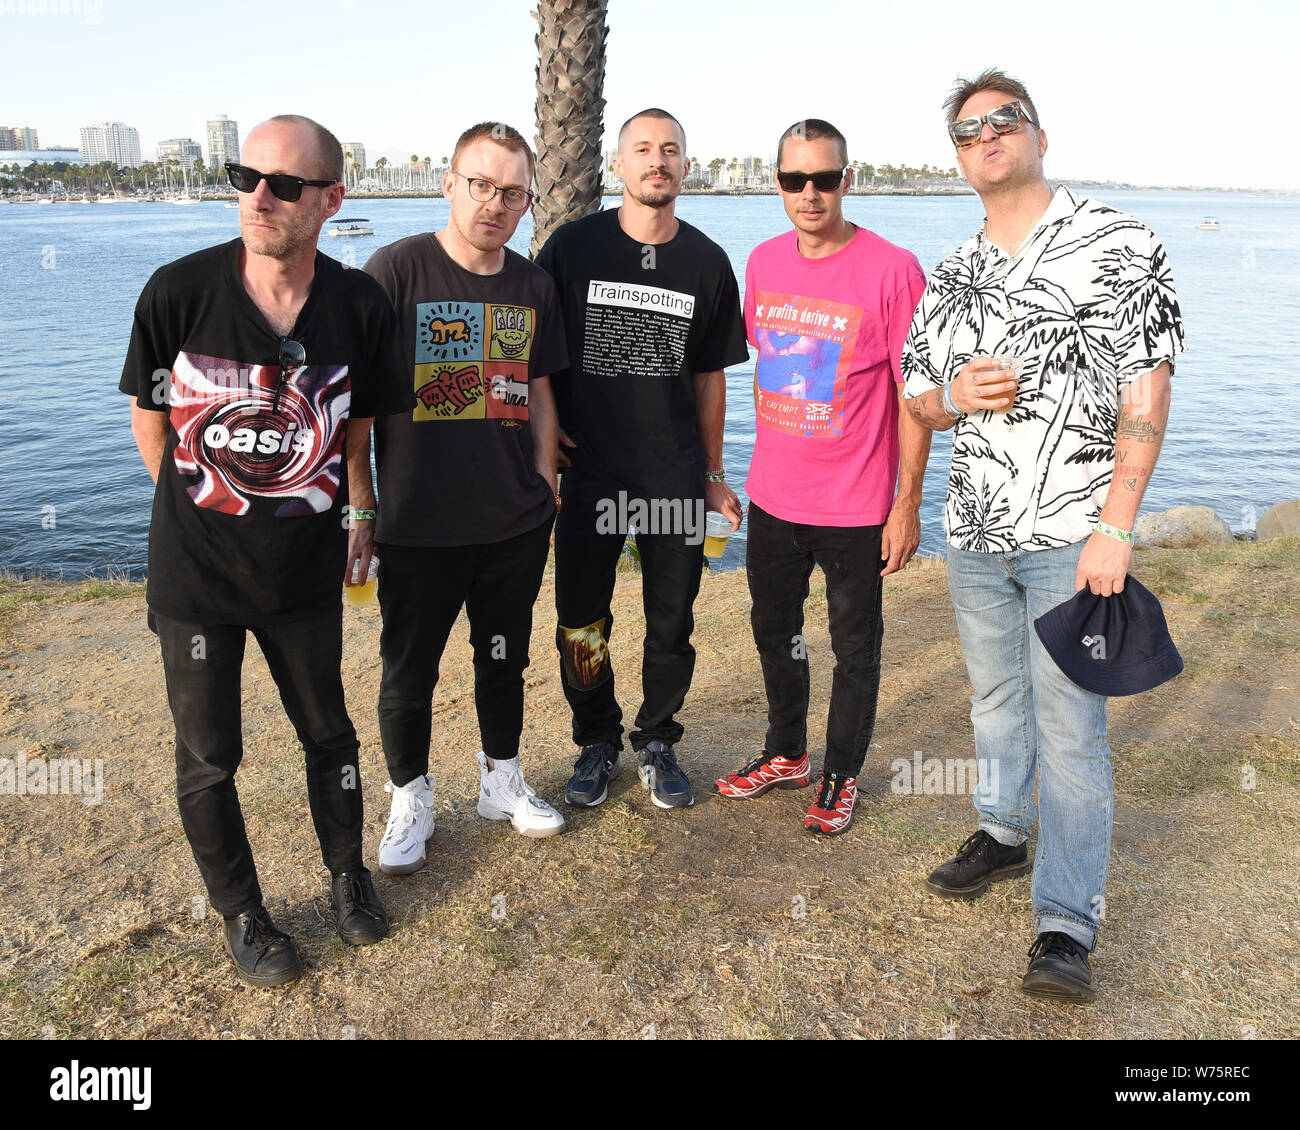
(466, 484)
(652, 317)
(1046, 341)
(256, 369)
(827, 305)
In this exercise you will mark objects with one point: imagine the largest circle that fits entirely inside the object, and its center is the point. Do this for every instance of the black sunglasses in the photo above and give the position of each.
(292, 358)
(282, 185)
(822, 182)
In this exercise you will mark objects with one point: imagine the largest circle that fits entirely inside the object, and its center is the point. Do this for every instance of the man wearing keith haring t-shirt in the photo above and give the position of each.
(466, 484)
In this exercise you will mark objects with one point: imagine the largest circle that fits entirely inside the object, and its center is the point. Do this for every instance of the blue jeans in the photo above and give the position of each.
(1028, 716)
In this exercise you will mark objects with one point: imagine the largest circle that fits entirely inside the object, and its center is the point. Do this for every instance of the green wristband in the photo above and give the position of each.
(1114, 532)
(361, 515)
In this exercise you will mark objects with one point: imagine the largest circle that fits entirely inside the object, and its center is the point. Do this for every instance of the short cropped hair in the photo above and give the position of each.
(328, 150)
(504, 135)
(991, 79)
(652, 112)
(814, 129)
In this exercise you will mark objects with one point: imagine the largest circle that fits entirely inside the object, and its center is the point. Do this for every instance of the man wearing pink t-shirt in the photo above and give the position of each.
(828, 307)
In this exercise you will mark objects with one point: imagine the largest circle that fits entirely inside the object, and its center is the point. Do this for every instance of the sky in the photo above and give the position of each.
(1153, 93)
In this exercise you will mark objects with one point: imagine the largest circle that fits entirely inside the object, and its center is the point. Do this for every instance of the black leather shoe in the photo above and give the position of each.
(979, 861)
(263, 955)
(1058, 969)
(359, 916)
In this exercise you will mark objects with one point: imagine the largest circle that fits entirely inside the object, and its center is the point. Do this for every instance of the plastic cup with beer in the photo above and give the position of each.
(717, 529)
(360, 593)
(1011, 368)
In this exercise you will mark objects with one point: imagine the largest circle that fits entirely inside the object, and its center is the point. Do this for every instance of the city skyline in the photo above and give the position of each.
(879, 75)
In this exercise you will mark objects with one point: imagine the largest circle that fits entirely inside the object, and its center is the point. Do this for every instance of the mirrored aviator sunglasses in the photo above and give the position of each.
(283, 186)
(965, 132)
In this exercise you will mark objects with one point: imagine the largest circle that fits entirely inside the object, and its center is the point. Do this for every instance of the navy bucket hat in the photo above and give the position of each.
(1111, 645)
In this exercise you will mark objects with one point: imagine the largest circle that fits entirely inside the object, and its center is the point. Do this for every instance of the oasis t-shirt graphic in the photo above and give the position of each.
(235, 442)
(805, 353)
(471, 361)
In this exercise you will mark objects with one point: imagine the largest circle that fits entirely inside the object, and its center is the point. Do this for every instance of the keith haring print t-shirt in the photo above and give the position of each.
(460, 467)
(248, 522)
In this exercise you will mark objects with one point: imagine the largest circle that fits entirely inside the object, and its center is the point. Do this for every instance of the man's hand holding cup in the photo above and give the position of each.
(986, 384)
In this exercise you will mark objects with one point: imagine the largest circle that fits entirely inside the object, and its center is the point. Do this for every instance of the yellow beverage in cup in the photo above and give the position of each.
(717, 529)
(359, 595)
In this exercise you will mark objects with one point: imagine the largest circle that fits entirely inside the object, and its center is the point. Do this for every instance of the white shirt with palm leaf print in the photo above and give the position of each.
(1088, 303)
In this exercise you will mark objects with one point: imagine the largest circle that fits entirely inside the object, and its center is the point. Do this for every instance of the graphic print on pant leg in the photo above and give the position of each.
(586, 655)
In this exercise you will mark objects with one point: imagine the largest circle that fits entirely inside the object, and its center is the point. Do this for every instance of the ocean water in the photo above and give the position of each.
(75, 498)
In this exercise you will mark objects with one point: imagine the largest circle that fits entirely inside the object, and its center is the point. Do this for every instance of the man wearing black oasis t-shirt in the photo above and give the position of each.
(652, 315)
(256, 367)
(466, 484)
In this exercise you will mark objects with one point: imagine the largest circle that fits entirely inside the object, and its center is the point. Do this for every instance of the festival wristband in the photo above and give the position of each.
(719, 476)
(948, 405)
(1115, 532)
(361, 515)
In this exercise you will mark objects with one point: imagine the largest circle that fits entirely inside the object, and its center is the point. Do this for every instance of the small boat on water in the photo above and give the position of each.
(235, 206)
(352, 226)
(1208, 224)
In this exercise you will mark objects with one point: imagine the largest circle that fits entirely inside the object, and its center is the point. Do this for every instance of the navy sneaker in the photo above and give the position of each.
(669, 786)
(596, 766)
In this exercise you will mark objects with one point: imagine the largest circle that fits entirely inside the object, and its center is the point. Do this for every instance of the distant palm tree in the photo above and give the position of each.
(570, 109)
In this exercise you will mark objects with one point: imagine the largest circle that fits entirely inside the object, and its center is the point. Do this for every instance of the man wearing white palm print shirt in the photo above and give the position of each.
(1048, 470)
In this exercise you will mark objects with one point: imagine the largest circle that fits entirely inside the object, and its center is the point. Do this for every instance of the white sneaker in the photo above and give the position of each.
(503, 795)
(410, 826)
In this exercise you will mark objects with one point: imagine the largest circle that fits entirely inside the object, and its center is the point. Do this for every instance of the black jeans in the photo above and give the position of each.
(585, 565)
(779, 562)
(421, 593)
(203, 664)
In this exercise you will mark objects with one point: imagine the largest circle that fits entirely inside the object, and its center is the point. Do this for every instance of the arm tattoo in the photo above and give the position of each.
(1138, 428)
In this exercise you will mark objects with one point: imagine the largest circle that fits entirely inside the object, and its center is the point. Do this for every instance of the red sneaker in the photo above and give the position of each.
(832, 812)
(767, 771)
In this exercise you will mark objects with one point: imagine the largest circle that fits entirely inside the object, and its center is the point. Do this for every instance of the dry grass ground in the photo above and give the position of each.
(637, 921)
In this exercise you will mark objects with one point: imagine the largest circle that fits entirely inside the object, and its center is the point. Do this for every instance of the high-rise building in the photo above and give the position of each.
(8, 138)
(223, 142)
(26, 137)
(354, 161)
(180, 149)
(111, 141)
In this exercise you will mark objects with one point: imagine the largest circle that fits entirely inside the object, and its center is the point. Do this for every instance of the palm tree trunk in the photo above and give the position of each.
(570, 110)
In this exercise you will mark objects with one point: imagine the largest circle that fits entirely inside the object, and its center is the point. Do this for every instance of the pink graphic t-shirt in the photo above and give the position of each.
(829, 334)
